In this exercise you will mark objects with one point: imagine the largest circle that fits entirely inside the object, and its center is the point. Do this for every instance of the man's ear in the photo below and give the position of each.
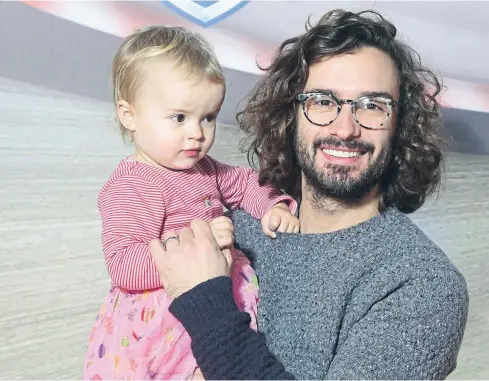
(126, 115)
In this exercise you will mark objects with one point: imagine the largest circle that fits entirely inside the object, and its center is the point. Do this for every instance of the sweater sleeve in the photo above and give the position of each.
(414, 333)
(240, 188)
(133, 212)
(223, 343)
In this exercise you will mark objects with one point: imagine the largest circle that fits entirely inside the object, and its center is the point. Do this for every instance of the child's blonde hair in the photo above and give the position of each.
(189, 51)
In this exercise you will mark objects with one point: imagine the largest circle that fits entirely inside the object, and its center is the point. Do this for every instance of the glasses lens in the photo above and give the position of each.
(372, 112)
(321, 109)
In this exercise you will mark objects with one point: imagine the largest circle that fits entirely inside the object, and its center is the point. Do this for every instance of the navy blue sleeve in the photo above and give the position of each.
(223, 343)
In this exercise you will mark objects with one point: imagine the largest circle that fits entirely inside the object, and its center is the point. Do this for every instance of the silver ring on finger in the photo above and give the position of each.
(170, 238)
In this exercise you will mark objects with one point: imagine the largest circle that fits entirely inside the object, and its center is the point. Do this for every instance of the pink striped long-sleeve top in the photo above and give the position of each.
(140, 202)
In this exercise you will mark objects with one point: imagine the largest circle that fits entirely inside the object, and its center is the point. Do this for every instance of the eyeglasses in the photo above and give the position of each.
(322, 109)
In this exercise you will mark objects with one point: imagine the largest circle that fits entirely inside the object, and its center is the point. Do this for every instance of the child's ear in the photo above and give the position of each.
(126, 115)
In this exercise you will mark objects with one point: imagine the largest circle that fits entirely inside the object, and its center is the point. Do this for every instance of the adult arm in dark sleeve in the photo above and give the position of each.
(413, 333)
(223, 343)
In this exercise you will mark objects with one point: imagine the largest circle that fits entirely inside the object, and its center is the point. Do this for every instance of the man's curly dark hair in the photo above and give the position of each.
(269, 118)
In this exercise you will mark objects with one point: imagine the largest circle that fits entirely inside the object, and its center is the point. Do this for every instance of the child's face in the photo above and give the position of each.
(173, 120)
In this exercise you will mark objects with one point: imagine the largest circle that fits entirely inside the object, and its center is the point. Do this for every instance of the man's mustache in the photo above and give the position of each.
(354, 144)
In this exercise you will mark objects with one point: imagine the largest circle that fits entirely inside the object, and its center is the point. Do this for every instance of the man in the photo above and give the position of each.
(346, 120)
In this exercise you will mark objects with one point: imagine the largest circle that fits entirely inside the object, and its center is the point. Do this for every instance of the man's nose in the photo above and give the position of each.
(345, 127)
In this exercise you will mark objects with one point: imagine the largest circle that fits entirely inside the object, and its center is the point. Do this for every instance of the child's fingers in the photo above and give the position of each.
(228, 225)
(274, 222)
(227, 240)
(224, 238)
(221, 220)
(293, 225)
(268, 232)
(265, 226)
(222, 225)
(284, 225)
(223, 232)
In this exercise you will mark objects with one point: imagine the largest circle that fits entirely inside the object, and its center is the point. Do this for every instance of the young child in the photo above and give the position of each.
(168, 90)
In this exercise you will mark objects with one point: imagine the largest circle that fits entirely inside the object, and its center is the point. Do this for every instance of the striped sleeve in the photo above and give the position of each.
(240, 189)
(133, 212)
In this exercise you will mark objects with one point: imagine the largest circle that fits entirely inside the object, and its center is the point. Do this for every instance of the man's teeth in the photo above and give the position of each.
(336, 153)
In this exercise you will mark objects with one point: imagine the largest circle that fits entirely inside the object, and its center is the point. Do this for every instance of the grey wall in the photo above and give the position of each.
(38, 48)
(469, 130)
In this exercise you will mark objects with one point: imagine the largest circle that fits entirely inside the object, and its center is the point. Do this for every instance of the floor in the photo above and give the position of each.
(57, 149)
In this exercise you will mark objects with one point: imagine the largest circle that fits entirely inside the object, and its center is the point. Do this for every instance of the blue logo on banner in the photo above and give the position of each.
(205, 13)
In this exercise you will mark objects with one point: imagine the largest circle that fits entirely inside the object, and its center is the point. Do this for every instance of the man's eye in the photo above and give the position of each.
(325, 102)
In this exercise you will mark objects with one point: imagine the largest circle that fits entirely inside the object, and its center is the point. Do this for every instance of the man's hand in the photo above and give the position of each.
(223, 230)
(279, 218)
(189, 259)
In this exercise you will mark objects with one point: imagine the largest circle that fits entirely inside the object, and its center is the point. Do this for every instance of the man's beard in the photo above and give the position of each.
(340, 182)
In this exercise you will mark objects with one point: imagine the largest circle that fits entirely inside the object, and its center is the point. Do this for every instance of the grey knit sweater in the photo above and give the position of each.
(378, 300)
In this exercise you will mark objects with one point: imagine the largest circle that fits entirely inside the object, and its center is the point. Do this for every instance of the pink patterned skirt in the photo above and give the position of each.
(135, 337)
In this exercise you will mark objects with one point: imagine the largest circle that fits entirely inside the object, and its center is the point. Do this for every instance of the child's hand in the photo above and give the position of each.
(223, 230)
(279, 218)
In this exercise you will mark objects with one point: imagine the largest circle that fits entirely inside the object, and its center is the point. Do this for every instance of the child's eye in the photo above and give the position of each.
(210, 118)
(179, 118)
